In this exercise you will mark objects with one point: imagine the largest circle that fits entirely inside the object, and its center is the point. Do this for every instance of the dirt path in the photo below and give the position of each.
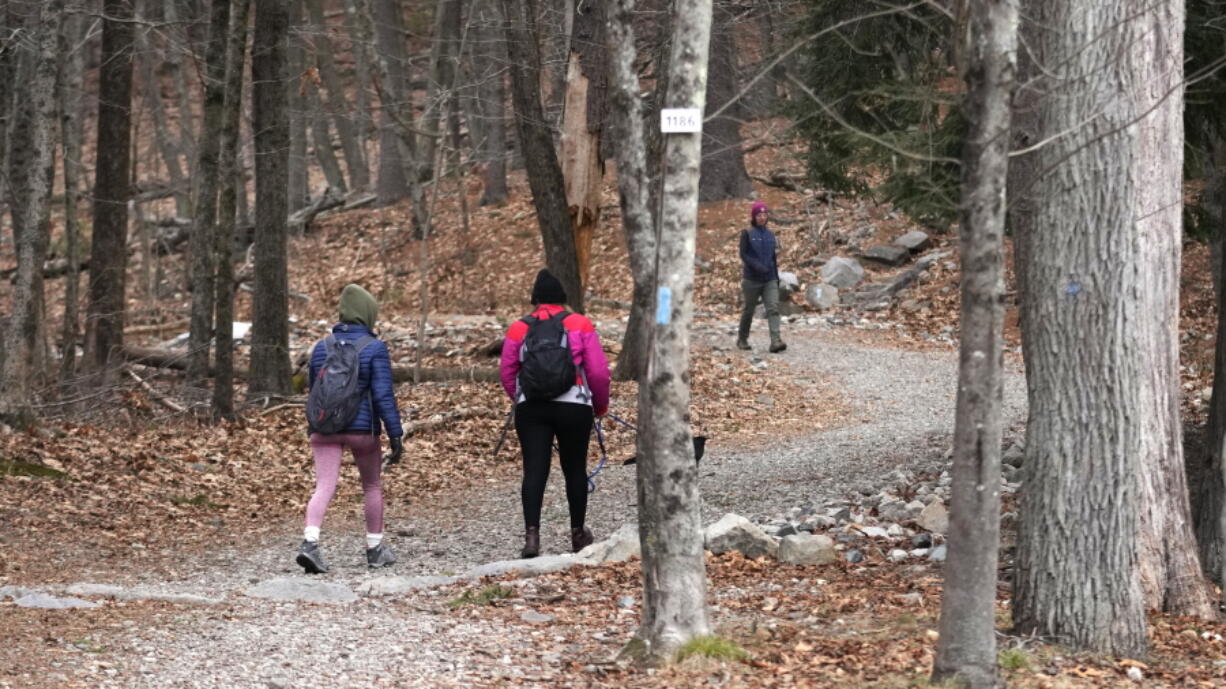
(902, 403)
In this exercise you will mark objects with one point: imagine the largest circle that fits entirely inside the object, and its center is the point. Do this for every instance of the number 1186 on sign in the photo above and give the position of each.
(680, 120)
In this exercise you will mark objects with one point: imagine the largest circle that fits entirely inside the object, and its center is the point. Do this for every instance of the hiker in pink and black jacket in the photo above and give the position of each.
(568, 417)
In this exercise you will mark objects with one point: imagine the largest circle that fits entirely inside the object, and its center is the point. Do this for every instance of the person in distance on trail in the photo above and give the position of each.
(558, 377)
(759, 277)
(351, 401)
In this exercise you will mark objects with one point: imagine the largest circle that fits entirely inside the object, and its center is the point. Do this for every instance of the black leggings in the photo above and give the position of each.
(537, 424)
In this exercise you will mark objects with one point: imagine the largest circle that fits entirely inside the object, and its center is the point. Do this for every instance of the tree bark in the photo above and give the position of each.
(670, 519)
(582, 127)
(544, 173)
(200, 242)
(298, 191)
(108, 253)
(21, 346)
(392, 185)
(489, 61)
(337, 103)
(270, 370)
(227, 208)
(966, 649)
(1095, 347)
(70, 80)
(1170, 564)
(723, 161)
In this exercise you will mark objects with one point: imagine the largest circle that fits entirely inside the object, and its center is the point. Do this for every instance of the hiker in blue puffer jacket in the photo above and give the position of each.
(759, 277)
(358, 310)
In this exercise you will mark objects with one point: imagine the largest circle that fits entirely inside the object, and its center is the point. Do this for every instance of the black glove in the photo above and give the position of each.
(393, 457)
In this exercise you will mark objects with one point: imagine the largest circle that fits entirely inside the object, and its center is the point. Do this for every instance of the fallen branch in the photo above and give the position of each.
(445, 419)
(156, 328)
(157, 396)
(54, 268)
(300, 220)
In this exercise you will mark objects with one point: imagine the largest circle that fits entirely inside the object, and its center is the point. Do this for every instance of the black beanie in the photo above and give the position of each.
(547, 289)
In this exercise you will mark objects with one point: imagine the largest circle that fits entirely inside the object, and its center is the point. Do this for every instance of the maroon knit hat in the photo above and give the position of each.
(757, 207)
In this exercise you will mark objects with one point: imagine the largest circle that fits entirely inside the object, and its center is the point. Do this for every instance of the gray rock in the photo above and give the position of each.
(15, 592)
(807, 549)
(534, 617)
(817, 522)
(914, 241)
(622, 545)
(895, 511)
(1014, 456)
(625, 601)
(785, 531)
(888, 255)
(913, 598)
(895, 531)
(842, 273)
(788, 283)
(95, 590)
(897, 555)
(874, 532)
(302, 590)
(934, 518)
(530, 567)
(48, 602)
(822, 297)
(734, 532)
(840, 514)
(853, 556)
(394, 586)
(176, 598)
(919, 552)
(922, 540)
(937, 554)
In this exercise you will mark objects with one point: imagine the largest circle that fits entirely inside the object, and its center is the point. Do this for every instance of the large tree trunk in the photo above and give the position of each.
(670, 514)
(227, 207)
(1209, 476)
(270, 368)
(324, 154)
(337, 105)
(200, 242)
(72, 126)
(298, 193)
(1095, 347)
(442, 79)
(967, 644)
(1170, 565)
(582, 127)
(544, 173)
(392, 185)
(108, 250)
(723, 162)
(21, 346)
(167, 144)
(490, 66)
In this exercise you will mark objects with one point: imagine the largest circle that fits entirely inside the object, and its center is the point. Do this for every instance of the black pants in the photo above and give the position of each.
(537, 424)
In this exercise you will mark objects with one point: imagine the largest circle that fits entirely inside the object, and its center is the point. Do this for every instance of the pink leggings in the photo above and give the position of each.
(328, 450)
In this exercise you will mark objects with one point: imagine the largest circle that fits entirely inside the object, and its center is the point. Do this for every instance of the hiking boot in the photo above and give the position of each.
(777, 345)
(380, 556)
(743, 343)
(580, 539)
(311, 558)
(532, 542)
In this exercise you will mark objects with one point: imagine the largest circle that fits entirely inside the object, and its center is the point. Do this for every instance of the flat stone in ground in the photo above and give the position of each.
(525, 568)
(914, 241)
(302, 590)
(393, 586)
(889, 255)
(48, 602)
(807, 549)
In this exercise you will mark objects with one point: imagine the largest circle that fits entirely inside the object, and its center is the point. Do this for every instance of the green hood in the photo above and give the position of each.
(358, 306)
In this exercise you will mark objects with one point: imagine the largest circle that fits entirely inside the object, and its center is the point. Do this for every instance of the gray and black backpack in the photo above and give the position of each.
(335, 396)
(547, 369)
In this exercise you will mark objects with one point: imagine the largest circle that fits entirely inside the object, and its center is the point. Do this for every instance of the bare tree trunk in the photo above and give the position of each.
(1091, 341)
(359, 41)
(200, 243)
(187, 117)
(108, 251)
(21, 346)
(555, 19)
(1209, 477)
(723, 162)
(544, 173)
(670, 519)
(298, 192)
(442, 78)
(71, 78)
(1170, 565)
(323, 142)
(337, 104)
(8, 71)
(490, 65)
(582, 126)
(390, 65)
(168, 146)
(270, 367)
(966, 649)
(223, 383)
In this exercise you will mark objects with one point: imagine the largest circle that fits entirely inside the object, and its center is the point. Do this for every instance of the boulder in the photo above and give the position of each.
(622, 545)
(888, 255)
(302, 590)
(788, 283)
(914, 241)
(807, 549)
(842, 273)
(822, 297)
(734, 532)
(934, 518)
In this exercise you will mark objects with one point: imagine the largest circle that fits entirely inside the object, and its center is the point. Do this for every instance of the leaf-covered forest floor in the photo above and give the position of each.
(135, 486)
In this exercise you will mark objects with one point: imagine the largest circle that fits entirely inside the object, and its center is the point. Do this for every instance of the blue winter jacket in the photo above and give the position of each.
(374, 378)
(758, 262)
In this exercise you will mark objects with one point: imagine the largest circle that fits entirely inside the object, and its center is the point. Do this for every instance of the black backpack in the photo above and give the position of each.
(335, 397)
(546, 367)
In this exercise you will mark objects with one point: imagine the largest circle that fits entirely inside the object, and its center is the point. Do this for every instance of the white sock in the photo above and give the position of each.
(373, 540)
(310, 533)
